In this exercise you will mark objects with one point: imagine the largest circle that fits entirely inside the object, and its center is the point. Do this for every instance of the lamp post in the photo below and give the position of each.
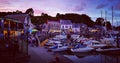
(2, 26)
(27, 27)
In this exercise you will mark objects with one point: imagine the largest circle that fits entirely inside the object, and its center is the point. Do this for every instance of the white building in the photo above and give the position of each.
(65, 24)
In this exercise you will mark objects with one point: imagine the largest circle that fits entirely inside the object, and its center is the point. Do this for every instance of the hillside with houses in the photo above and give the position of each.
(68, 22)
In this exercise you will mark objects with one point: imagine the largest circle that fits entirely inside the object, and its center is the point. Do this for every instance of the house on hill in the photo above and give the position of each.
(51, 26)
(66, 25)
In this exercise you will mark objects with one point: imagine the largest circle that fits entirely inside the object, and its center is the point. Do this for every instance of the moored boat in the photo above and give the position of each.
(107, 49)
(94, 44)
(82, 49)
(62, 48)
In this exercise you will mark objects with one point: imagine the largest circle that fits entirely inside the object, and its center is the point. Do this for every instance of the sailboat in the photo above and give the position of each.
(109, 40)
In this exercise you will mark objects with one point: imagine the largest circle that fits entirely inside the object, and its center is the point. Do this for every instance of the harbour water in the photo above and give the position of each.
(92, 57)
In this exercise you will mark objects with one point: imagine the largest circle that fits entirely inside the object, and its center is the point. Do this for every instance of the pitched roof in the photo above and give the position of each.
(18, 17)
(65, 22)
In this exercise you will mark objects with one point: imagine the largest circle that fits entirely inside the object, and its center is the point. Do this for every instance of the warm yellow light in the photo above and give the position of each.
(94, 30)
(22, 31)
(5, 32)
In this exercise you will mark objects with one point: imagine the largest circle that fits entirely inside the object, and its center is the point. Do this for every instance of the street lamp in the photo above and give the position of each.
(27, 28)
(2, 26)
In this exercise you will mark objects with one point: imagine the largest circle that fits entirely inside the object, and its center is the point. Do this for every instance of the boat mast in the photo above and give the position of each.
(106, 20)
(101, 14)
(112, 16)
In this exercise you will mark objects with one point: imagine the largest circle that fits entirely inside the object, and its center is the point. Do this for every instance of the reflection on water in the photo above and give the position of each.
(92, 57)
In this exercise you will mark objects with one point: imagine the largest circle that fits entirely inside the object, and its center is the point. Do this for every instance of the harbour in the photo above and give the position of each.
(88, 56)
(60, 31)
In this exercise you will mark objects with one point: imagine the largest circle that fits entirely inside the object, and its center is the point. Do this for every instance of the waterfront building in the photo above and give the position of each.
(76, 27)
(66, 25)
(53, 26)
(23, 18)
(14, 27)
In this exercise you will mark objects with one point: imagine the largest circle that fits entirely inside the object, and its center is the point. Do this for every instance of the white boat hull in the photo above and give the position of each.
(82, 49)
(64, 48)
(97, 46)
(109, 49)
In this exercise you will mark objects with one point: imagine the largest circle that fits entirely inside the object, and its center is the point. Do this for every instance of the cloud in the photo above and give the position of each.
(4, 2)
(79, 7)
(101, 6)
(38, 12)
(6, 10)
(110, 0)
(7, 2)
(117, 6)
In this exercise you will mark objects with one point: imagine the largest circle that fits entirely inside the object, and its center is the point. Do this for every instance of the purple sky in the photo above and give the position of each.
(51, 7)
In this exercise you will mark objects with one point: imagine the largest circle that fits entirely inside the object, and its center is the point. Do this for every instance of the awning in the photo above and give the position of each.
(34, 30)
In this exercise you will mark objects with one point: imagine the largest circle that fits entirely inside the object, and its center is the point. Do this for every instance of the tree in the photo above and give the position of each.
(117, 28)
(76, 18)
(17, 11)
(58, 14)
(108, 25)
(30, 11)
(87, 20)
(99, 21)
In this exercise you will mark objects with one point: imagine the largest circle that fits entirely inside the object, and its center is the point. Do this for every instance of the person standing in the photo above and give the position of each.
(31, 41)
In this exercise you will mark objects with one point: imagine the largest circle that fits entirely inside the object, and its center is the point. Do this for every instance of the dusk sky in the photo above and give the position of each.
(52, 7)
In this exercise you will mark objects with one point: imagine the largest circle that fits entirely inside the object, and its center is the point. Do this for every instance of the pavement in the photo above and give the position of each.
(36, 55)
(43, 42)
(18, 58)
(41, 55)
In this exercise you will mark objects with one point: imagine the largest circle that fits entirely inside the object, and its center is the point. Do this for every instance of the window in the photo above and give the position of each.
(66, 26)
(62, 27)
(70, 27)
